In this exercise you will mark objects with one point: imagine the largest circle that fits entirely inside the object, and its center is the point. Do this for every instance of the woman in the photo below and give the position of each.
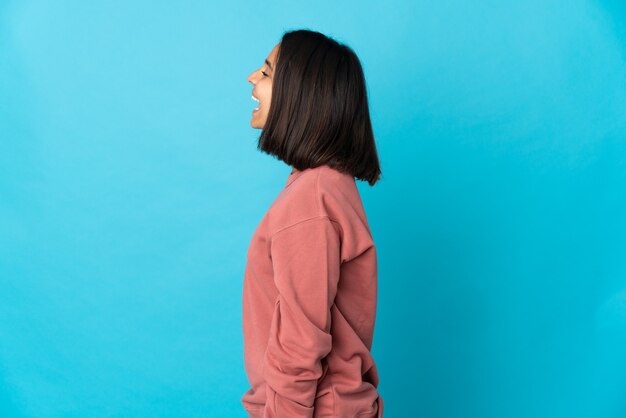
(310, 283)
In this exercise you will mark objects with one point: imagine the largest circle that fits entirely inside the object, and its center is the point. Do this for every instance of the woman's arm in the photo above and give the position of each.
(306, 262)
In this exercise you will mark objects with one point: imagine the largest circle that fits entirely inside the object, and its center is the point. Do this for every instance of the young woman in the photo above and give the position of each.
(310, 283)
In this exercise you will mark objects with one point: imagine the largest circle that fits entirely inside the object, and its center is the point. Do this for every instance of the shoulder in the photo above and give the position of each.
(317, 192)
(316, 200)
(295, 203)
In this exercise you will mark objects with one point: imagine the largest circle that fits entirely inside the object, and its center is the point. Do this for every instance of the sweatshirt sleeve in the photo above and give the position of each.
(306, 262)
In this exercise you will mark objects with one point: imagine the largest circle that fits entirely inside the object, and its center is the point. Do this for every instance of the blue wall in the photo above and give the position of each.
(130, 185)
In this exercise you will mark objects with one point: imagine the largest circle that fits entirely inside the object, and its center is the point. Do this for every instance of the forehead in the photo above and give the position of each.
(272, 56)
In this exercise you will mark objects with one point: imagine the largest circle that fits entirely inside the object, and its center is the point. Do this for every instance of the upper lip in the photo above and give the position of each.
(255, 96)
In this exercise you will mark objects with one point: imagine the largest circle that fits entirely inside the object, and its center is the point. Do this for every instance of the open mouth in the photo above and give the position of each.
(256, 100)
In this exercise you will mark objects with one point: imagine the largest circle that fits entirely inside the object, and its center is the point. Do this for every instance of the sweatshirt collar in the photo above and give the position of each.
(293, 176)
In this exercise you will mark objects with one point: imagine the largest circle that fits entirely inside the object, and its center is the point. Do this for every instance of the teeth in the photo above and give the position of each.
(255, 99)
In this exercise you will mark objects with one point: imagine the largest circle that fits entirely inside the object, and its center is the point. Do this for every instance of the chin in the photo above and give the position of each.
(256, 124)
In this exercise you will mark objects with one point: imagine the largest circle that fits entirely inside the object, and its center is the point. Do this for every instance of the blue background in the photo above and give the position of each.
(130, 185)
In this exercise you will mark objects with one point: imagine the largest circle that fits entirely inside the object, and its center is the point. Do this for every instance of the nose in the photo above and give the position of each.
(252, 78)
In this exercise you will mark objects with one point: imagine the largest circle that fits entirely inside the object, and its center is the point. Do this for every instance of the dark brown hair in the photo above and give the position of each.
(319, 114)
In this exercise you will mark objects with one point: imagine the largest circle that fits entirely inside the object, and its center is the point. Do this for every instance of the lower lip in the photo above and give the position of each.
(255, 110)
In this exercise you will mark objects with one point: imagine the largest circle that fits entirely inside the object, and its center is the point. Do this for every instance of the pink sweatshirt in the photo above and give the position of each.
(309, 303)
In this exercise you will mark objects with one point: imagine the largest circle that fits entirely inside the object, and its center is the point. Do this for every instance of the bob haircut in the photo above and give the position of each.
(319, 114)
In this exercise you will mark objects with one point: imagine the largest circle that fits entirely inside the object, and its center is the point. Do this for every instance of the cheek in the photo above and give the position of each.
(267, 91)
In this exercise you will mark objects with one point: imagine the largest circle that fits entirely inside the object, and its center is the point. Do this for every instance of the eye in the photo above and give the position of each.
(264, 73)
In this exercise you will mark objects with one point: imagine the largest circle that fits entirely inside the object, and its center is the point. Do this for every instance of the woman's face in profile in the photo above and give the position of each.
(261, 79)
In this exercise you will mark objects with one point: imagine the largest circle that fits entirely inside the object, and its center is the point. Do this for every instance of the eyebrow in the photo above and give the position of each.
(269, 65)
